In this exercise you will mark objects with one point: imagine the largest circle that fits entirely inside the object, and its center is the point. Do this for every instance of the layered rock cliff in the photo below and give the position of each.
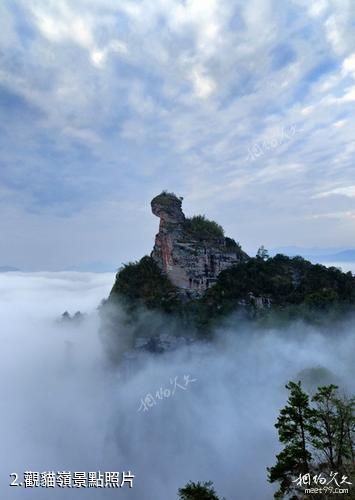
(192, 252)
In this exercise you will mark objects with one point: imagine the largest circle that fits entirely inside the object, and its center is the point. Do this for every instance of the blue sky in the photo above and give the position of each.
(244, 108)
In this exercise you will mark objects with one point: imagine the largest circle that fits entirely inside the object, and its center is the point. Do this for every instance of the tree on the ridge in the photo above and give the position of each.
(198, 491)
(262, 253)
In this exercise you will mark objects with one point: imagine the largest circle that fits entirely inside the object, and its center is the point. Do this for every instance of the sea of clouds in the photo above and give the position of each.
(64, 407)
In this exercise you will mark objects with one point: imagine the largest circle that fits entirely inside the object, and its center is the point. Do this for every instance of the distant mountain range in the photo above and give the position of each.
(326, 255)
(90, 267)
(344, 256)
(8, 269)
(93, 267)
(321, 255)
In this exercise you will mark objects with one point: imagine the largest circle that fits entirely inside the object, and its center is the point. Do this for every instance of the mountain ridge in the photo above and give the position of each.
(262, 289)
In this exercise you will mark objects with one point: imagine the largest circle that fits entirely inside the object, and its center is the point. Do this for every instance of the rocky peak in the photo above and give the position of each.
(167, 206)
(192, 252)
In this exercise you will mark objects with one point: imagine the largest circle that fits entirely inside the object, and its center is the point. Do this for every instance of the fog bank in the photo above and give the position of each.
(64, 408)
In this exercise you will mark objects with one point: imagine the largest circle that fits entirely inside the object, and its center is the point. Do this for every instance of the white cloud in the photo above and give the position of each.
(339, 26)
(194, 84)
(66, 406)
(349, 95)
(62, 25)
(330, 83)
(337, 215)
(201, 15)
(349, 65)
(84, 135)
(203, 85)
(318, 7)
(340, 123)
(307, 110)
(348, 191)
(99, 56)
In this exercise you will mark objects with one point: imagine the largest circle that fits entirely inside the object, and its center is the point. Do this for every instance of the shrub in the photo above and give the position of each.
(200, 228)
(142, 283)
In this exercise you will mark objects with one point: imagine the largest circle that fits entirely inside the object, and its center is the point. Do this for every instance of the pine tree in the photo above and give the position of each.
(325, 435)
(198, 491)
(295, 430)
(334, 429)
(262, 253)
(318, 438)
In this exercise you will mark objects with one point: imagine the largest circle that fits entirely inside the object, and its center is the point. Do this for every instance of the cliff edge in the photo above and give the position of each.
(192, 252)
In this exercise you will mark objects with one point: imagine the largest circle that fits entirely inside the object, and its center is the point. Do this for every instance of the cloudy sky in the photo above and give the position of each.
(244, 108)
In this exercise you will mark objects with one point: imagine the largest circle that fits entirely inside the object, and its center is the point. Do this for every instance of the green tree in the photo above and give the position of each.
(318, 436)
(262, 253)
(325, 436)
(143, 283)
(294, 429)
(334, 429)
(346, 434)
(200, 228)
(198, 491)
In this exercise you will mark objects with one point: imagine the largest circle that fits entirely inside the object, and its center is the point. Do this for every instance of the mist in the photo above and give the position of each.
(64, 407)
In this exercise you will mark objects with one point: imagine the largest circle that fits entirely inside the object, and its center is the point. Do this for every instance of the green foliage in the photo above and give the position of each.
(198, 491)
(200, 228)
(322, 298)
(295, 287)
(335, 426)
(262, 253)
(293, 425)
(164, 198)
(317, 436)
(231, 243)
(142, 283)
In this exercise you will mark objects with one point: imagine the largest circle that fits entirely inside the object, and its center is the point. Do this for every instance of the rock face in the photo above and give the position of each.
(192, 263)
